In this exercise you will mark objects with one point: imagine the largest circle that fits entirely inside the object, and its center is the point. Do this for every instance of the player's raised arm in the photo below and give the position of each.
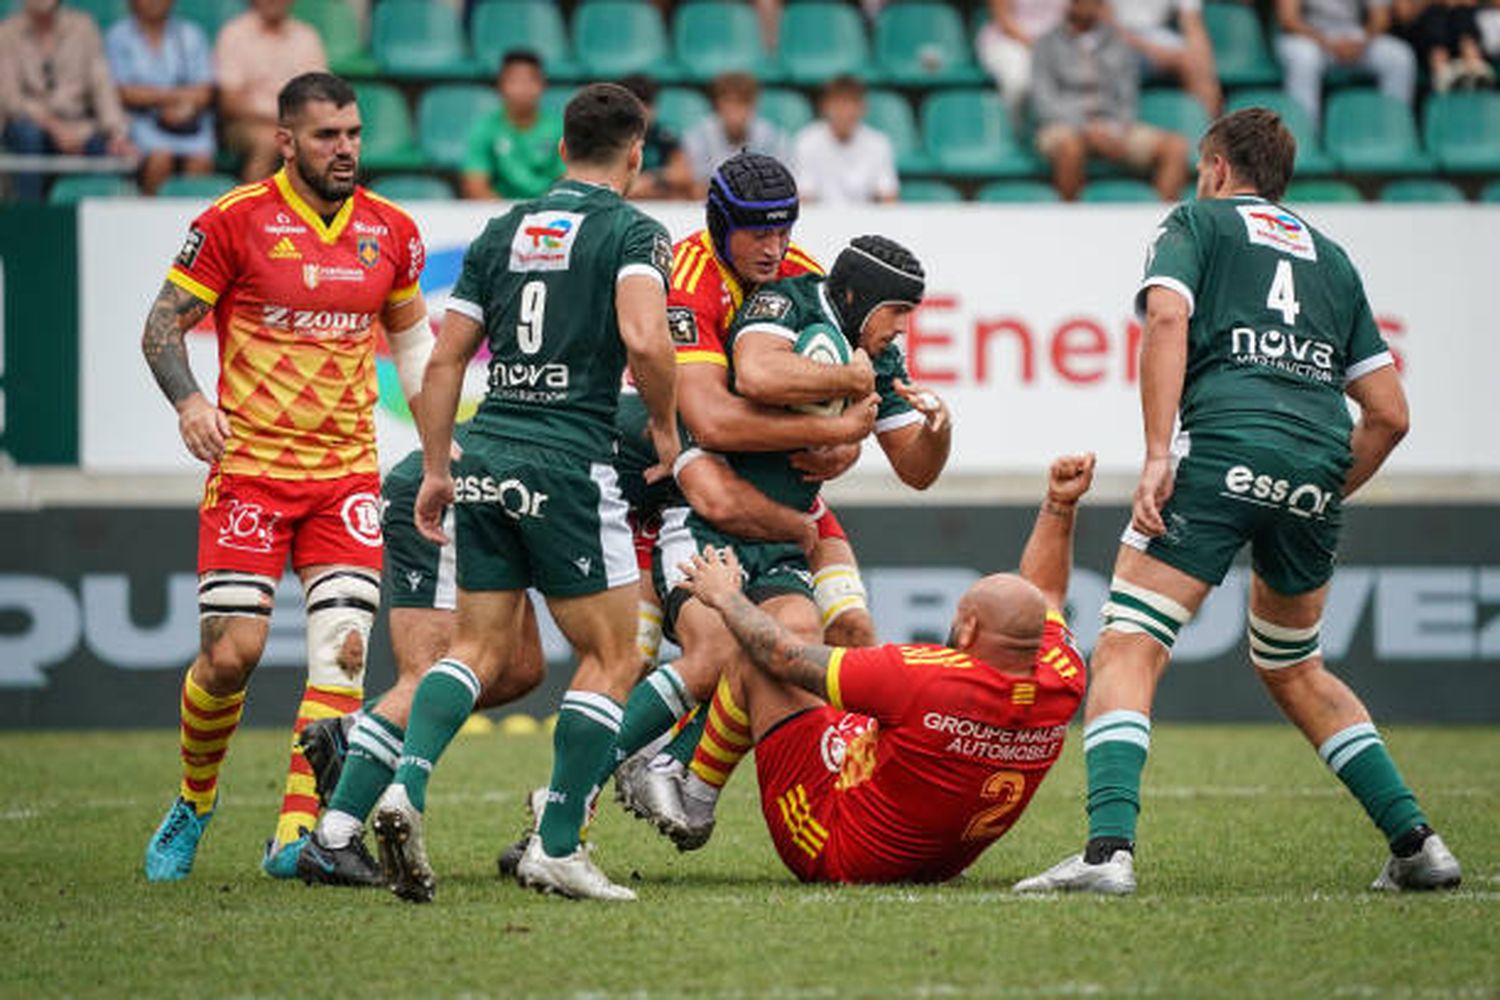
(1047, 560)
(203, 426)
(641, 310)
(736, 507)
(1163, 367)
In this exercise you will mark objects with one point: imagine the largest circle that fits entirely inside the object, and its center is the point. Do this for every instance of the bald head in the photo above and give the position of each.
(1001, 617)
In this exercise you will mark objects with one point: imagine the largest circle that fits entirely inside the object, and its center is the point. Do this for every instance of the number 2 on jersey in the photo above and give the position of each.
(1006, 788)
(1282, 297)
(533, 308)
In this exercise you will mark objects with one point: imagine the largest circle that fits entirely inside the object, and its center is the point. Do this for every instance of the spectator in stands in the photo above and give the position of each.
(1084, 92)
(665, 172)
(56, 95)
(1005, 42)
(1317, 34)
(513, 151)
(733, 126)
(841, 160)
(1170, 38)
(165, 73)
(256, 54)
(1445, 34)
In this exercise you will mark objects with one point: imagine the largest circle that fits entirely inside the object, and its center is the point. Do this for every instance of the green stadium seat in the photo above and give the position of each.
(1311, 159)
(1463, 132)
(679, 109)
(420, 39)
(1321, 192)
(1370, 133)
(1175, 111)
(890, 113)
(388, 140)
(968, 134)
(1239, 44)
(1019, 192)
(204, 187)
(1421, 189)
(716, 36)
(1118, 190)
(555, 99)
(104, 12)
(209, 15)
(445, 113)
(75, 187)
(921, 43)
(614, 38)
(822, 40)
(929, 192)
(786, 109)
(501, 25)
(413, 187)
(343, 39)
(1490, 195)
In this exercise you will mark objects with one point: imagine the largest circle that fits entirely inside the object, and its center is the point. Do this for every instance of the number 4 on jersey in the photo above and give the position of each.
(1283, 295)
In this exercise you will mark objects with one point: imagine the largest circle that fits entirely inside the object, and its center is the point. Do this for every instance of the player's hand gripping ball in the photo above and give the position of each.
(822, 343)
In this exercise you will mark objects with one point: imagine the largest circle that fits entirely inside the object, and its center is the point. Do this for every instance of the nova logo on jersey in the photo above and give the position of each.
(544, 241)
(1269, 226)
(1303, 356)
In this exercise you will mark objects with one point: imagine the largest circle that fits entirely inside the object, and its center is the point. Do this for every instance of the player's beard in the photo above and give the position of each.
(325, 184)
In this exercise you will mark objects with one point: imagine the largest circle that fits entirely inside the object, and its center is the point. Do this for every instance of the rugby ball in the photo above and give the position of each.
(822, 343)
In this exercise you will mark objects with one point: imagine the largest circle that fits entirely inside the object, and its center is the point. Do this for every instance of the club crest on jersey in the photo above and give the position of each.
(683, 326)
(544, 241)
(1269, 226)
(767, 305)
(311, 275)
(361, 514)
(367, 251)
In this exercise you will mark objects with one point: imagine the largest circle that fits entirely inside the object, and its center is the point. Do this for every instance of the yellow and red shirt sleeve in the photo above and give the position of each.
(205, 266)
(410, 254)
(1059, 653)
(798, 261)
(874, 680)
(695, 304)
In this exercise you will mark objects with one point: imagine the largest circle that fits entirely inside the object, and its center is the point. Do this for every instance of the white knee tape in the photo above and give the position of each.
(223, 592)
(648, 631)
(1133, 609)
(837, 589)
(340, 604)
(1276, 647)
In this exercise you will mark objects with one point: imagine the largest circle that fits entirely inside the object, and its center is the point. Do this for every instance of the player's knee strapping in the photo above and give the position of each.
(341, 607)
(1135, 609)
(226, 592)
(648, 622)
(837, 589)
(1275, 647)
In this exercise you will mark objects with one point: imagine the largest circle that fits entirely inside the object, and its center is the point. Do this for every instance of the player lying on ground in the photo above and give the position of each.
(903, 763)
(1257, 327)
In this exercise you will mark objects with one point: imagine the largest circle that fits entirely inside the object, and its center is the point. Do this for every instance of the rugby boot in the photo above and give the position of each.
(574, 876)
(510, 858)
(1115, 877)
(403, 856)
(281, 862)
(653, 793)
(1432, 867)
(174, 845)
(319, 864)
(697, 818)
(325, 742)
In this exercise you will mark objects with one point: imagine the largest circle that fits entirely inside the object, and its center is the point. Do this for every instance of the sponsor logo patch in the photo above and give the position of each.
(544, 241)
(767, 305)
(248, 527)
(284, 249)
(191, 246)
(361, 513)
(1269, 226)
(684, 326)
(661, 253)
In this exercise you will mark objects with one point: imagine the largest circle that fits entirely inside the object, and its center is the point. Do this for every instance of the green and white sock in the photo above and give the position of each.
(439, 709)
(654, 705)
(1358, 757)
(583, 747)
(374, 751)
(1114, 750)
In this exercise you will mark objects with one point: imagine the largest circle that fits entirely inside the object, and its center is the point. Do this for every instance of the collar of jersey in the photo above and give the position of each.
(328, 233)
(726, 272)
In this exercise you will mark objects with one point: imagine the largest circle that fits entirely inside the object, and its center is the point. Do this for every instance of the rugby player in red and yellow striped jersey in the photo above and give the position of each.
(297, 271)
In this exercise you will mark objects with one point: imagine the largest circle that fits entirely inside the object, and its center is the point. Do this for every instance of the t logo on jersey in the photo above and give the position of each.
(1269, 226)
(544, 241)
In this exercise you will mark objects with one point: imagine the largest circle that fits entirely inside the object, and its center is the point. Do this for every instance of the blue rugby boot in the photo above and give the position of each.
(283, 863)
(174, 845)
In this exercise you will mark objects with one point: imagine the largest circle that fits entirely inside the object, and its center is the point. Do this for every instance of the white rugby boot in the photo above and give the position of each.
(403, 857)
(651, 790)
(1433, 867)
(574, 875)
(1115, 877)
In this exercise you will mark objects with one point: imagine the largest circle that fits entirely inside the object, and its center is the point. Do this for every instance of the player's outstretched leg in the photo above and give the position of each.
(335, 853)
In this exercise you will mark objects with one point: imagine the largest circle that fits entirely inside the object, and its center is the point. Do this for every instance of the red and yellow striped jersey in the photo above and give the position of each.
(295, 298)
(704, 294)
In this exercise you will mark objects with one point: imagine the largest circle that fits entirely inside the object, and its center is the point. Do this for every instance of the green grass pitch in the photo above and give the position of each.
(1253, 867)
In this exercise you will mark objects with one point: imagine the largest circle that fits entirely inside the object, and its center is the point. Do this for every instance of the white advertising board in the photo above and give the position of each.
(1027, 329)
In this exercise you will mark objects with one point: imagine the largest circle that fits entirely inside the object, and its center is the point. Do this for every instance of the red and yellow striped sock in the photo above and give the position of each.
(208, 721)
(299, 805)
(726, 739)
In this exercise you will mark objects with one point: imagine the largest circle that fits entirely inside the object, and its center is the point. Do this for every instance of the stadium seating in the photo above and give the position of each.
(413, 187)
(501, 25)
(1463, 132)
(679, 109)
(787, 109)
(1421, 189)
(210, 15)
(418, 38)
(614, 38)
(821, 40)
(339, 25)
(968, 134)
(1370, 133)
(1118, 190)
(75, 187)
(929, 192)
(554, 99)
(388, 140)
(445, 114)
(105, 12)
(890, 113)
(204, 187)
(1311, 159)
(919, 43)
(1321, 191)
(715, 36)
(1175, 111)
(1019, 192)
(1240, 51)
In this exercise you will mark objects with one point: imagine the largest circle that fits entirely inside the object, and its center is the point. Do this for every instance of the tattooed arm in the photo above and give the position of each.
(715, 580)
(203, 426)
